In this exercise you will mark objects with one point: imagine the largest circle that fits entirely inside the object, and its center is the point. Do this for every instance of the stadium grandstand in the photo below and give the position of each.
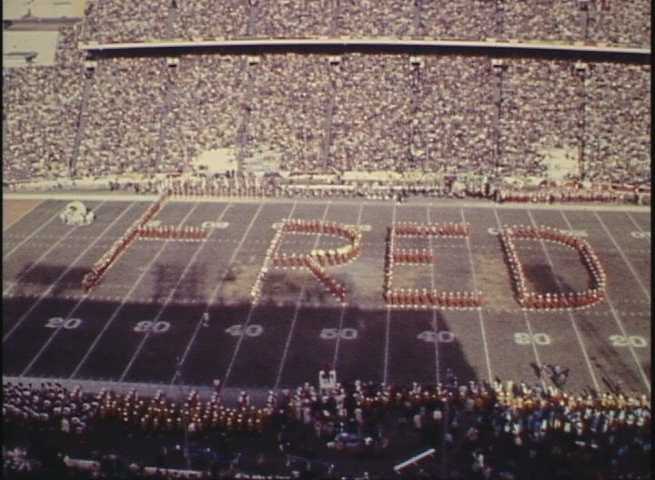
(195, 312)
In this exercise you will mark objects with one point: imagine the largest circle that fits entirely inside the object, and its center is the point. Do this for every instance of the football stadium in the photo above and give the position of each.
(340, 239)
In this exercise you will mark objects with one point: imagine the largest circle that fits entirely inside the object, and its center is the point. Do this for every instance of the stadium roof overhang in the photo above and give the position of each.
(488, 47)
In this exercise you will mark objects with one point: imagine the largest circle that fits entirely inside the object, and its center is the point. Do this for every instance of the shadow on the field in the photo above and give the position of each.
(107, 349)
(166, 278)
(451, 353)
(544, 280)
(279, 284)
(49, 275)
(606, 360)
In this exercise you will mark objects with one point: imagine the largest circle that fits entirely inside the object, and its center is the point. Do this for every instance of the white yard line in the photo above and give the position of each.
(47, 290)
(528, 325)
(253, 306)
(5, 230)
(16, 281)
(344, 307)
(125, 298)
(634, 222)
(285, 352)
(617, 318)
(585, 354)
(435, 327)
(387, 330)
(212, 296)
(336, 347)
(480, 315)
(61, 275)
(79, 302)
(26, 239)
(619, 323)
(623, 255)
(168, 299)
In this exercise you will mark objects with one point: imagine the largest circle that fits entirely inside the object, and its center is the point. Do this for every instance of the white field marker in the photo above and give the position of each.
(387, 330)
(344, 307)
(619, 323)
(79, 302)
(212, 296)
(171, 293)
(296, 311)
(480, 314)
(245, 325)
(125, 298)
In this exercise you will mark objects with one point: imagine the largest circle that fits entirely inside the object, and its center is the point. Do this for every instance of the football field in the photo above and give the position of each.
(144, 322)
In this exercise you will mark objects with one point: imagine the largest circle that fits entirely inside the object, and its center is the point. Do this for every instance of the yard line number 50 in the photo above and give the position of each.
(343, 333)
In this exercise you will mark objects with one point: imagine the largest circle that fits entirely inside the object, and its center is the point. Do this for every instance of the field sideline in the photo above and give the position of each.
(145, 316)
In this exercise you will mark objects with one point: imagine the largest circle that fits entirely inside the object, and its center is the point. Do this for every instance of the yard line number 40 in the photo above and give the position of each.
(443, 336)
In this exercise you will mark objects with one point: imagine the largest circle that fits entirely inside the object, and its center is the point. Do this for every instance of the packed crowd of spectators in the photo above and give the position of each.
(486, 431)
(371, 120)
(288, 109)
(321, 114)
(620, 23)
(125, 21)
(209, 19)
(613, 23)
(617, 137)
(559, 20)
(460, 19)
(123, 116)
(375, 18)
(41, 106)
(207, 109)
(455, 115)
(67, 54)
(540, 111)
(293, 18)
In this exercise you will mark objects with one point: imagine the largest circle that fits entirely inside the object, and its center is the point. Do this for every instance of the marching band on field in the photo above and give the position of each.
(92, 278)
(559, 300)
(423, 298)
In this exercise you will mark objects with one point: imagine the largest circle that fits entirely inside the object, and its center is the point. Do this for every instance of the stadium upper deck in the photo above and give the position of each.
(568, 21)
(450, 114)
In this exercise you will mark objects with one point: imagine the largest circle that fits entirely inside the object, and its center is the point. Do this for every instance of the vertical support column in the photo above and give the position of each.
(5, 114)
(418, 31)
(247, 68)
(416, 86)
(170, 74)
(86, 77)
(498, 66)
(252, 19)
(170, 20)
(334, 18)
(581, 72)
(333, 71)
(500, 13)
(584, 8)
